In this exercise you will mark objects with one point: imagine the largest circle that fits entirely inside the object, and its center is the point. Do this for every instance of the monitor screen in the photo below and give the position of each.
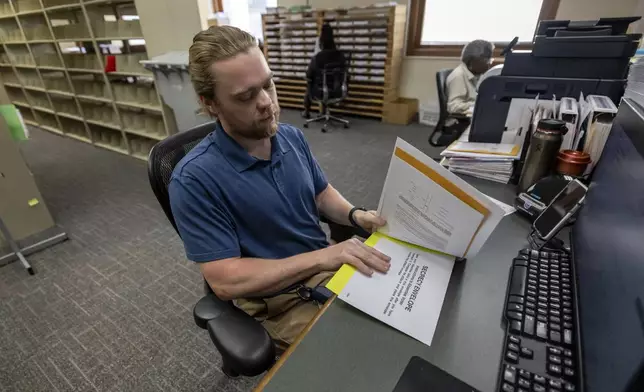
(608, 245)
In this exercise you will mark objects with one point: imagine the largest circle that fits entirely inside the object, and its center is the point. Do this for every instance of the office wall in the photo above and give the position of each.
(418, 77)
(187, 18)
(330, 3)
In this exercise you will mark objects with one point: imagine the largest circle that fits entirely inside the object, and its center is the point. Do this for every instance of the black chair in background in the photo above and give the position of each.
(330, 88)
(245, 346)
(458, 123)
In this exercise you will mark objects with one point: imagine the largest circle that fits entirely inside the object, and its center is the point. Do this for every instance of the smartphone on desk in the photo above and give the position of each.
(560, 210)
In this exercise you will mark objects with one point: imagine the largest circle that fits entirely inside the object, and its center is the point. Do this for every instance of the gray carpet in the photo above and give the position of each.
(110, 309)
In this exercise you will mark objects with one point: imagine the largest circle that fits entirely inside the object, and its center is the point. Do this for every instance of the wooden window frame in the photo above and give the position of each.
(417, 12)
(218, 5)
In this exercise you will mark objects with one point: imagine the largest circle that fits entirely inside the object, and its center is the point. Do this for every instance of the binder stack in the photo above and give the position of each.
(598, 126)
(569, 113)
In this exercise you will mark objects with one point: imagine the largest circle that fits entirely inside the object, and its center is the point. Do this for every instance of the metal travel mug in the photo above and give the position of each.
(542, 153)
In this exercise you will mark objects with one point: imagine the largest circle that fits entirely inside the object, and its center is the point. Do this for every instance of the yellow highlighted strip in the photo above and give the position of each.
(344, 274)
(341, 278)
(373, 239)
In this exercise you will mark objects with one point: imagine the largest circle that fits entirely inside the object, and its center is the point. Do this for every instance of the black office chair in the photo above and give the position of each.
(446, 134)
(330, 88)
(245, 346)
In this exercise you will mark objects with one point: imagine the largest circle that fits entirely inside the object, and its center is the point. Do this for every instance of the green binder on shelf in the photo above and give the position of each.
(12, 116)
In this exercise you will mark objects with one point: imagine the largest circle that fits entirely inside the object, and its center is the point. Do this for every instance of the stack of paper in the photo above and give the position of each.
(489, 161)
(635, 82)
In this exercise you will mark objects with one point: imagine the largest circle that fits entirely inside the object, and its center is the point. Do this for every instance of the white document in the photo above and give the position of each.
(409, 297)
(421, 212)
(507, 209)
(426, 205)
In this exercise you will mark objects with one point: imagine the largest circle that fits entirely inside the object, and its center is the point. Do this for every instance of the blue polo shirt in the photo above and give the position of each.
(227, 203)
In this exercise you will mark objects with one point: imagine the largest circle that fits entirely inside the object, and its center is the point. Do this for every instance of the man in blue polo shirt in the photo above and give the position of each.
(247, 199)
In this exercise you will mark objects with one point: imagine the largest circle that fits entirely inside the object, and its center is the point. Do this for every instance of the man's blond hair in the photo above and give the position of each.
(215, 44)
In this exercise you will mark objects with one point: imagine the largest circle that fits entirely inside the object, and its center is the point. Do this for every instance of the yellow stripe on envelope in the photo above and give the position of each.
(341, 278)
(513, 152)
(373, 239)
(344, 274)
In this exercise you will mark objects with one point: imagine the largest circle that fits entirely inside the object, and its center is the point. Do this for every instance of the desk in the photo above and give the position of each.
(346, 350)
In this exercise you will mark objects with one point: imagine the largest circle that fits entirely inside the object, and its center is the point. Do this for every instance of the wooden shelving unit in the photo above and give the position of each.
(52, 65)
(373, 36)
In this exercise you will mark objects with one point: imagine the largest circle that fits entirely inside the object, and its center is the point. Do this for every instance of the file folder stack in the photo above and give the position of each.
(569, 112)
(489, 161)
(598, 126)
(497, 170)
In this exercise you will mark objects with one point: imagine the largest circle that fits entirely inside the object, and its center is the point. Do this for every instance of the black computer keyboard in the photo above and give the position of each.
(539, 352)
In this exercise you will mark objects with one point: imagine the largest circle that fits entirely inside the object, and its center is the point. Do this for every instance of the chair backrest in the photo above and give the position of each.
(331, 80)
(334, 85)
(165, 155)
(441, 88)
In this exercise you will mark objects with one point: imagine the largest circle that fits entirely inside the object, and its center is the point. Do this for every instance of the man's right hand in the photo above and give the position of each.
(366, 259)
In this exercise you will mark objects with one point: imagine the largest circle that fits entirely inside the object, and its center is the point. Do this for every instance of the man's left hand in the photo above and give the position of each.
(369, 220)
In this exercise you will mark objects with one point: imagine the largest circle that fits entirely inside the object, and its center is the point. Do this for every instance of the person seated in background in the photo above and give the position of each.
(462, 82)
(247, 199)
(328, 57)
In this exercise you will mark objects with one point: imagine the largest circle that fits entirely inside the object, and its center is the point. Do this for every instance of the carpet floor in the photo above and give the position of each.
(111, 308)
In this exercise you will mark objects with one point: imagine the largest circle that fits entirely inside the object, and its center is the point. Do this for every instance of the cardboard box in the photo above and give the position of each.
(401, 111)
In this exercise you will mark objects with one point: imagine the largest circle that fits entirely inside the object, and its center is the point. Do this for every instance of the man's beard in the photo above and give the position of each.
(262, 130)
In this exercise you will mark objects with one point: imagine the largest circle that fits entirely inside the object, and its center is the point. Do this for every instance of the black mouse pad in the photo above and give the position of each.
(422, 376)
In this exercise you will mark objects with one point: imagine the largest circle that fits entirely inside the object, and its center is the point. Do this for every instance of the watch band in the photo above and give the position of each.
(351, 220)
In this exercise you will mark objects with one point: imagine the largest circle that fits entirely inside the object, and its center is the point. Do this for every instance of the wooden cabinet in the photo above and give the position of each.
(373, 36)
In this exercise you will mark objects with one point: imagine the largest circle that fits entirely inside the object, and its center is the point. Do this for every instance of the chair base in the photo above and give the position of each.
(229, 372)
(327, 118)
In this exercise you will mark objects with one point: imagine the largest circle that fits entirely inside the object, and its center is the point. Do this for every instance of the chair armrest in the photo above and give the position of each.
(244, 345)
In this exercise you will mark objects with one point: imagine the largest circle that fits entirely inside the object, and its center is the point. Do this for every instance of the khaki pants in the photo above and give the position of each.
(285, 316)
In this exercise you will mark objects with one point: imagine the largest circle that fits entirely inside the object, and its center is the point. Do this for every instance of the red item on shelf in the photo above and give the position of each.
(572, 162)
(110, 63)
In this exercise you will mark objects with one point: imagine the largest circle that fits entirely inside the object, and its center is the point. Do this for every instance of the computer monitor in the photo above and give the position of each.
(608, 247)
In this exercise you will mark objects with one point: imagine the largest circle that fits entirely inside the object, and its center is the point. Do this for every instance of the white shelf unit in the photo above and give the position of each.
(53, 62)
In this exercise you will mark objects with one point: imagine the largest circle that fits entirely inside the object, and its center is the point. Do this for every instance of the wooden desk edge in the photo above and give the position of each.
(267, 378)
